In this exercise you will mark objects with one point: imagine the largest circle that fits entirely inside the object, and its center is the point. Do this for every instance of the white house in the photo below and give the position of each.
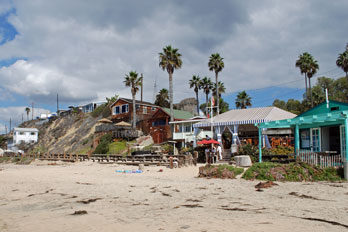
(91, 106)
(185, 133)
(23, 135)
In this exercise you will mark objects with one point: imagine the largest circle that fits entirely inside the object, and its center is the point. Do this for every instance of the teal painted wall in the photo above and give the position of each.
(321, 108)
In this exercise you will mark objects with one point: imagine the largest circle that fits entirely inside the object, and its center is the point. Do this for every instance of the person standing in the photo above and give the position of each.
(207, 151)
(213, 155)
(219, 151)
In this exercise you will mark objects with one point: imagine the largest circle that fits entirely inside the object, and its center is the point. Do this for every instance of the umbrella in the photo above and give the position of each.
(210, 141)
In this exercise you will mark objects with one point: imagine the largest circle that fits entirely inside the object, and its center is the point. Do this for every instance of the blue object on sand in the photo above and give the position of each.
(129, 171)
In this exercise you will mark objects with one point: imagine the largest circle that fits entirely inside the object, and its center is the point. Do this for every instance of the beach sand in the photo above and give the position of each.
(43, 197)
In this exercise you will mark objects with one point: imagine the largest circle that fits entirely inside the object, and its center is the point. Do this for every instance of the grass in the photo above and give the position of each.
(16, 159)
(117, 147)
(292, 172)
(84, 150)
(219, 171)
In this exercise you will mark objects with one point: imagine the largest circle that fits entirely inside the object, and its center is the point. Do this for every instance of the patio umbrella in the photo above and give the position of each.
(210, 141)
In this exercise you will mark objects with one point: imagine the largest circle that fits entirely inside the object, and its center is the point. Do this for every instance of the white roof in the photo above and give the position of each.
(26, 129)
(247, 116)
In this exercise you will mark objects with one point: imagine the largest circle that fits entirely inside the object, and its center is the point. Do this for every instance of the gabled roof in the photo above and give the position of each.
(130, 101)
(247, 116)
(179, 114)
(322, 108)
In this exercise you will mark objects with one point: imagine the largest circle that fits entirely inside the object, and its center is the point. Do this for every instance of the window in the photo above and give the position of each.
(153, 108)
(160, 122)
(305, 139)
(21, 133)
(144, 110)
(124, 109)
(137, 106)
(187, 128)
(32, 133)
(116, 110)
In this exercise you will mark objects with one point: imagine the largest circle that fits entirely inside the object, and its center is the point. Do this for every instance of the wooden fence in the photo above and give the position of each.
(320, 159)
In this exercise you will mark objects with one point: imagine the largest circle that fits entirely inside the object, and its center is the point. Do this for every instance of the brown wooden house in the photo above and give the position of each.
(158, 124)
(122, 110)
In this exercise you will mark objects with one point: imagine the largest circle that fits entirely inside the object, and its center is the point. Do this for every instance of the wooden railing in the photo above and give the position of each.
(60, 156)
(320, 159)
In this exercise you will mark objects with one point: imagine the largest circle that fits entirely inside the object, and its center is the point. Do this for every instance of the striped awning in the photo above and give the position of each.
(246, 116)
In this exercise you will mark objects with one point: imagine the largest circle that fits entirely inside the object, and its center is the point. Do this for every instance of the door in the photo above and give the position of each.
(343, 141)
(315, 137)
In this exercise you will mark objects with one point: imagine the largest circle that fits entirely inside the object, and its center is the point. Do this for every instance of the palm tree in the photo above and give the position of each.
(307, 65)
(206, 85)
(243, 100)
(27, 110)
(170, 59)
(221, 89)
(216, 64)
(162, 98)
(313, 70)
(195, 83)
(342, 62)
(132, 80)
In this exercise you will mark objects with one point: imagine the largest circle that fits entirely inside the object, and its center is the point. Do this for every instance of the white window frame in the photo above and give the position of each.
(312, 141)
(144, 109)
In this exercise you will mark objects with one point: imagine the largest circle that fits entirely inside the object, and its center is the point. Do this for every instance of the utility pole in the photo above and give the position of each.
(57, 104)
(142, 78)
(32, 111)
(6, 129)
(22, 117)
(10, 124)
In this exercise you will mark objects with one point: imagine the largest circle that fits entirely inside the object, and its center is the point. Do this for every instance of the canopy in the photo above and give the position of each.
(123, 123)
(210, 141)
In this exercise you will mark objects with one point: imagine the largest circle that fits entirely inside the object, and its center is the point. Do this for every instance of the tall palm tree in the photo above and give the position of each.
(307, 64)
(216, 64)
(195, 83)
(221, 89)
(342, 62)
(162, 98)
(243, 100)
(132, 80)
(207, 86)
(27, 110)
(170, 59)
(313, 70)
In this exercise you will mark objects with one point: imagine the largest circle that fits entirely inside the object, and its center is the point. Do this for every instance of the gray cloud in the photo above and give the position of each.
(83, 49)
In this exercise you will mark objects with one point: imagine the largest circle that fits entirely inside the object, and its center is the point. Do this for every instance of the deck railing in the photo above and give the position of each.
(320, 159)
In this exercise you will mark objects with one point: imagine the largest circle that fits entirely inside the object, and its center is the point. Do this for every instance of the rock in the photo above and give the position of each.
(267, 184)
(243, 160)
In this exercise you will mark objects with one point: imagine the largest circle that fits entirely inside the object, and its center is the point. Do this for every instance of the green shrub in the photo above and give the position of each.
(103, 146)
(167, 147)
(249, 150)
(292, 172)
(84, 142)
(117, 147)
(99, 110)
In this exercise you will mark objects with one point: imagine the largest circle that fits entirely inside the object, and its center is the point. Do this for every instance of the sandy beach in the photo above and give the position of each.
(45, 197)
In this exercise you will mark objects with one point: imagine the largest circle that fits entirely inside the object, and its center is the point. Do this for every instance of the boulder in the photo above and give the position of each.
(243, 160)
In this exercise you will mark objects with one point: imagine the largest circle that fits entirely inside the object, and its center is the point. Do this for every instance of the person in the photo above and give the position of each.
(207, 151)
(219, 151)
(213, 154)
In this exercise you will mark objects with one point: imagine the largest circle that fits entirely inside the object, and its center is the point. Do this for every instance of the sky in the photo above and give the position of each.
(82, 50)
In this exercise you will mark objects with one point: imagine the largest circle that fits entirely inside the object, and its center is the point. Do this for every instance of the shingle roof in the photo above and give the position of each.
(179, 114)
(247, 116)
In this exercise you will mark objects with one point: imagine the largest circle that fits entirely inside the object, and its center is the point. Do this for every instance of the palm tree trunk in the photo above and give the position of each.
(171, 96)
(134, 112)
(197, 102)
(27, 116)
(206, 103)
(306, 86)
(217, 93)
(310, 91)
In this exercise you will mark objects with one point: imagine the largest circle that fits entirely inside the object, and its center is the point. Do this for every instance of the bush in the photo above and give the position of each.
(291, 172)
(99, 110)
(103, 146)
(167, 147)
(249, 150)
(220, 171)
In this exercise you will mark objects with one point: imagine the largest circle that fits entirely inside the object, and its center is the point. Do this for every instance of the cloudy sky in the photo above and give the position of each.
(83, 49)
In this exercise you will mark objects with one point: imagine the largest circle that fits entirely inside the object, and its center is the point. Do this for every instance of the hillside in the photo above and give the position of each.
(72, 133)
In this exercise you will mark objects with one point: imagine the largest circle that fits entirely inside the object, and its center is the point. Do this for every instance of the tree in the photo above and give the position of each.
(162, 98)
(132, 80)
(224, 106)
(308, 66)
(169, 60)
(27, 110)
(216, 64)
(342, 62)
(207, 86)
(243, 100)
(221, 89)
(111, 99)
(195, 83)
